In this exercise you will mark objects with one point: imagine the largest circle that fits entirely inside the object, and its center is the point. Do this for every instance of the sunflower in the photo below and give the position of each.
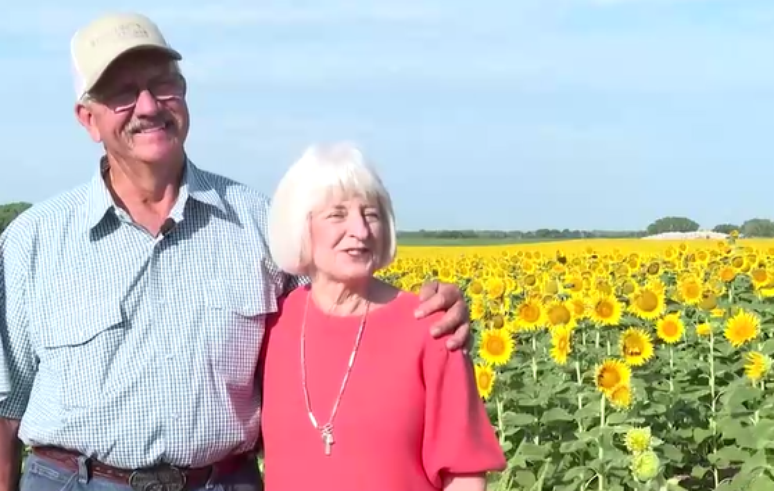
(761, 277)
(690, 290)
(670, 328)
(704, 329)
(485, 378)
(627, 286)
(477, 309)
(561, 345)
(709, 300)
(620, 397)
(497, 321)
(530, 314)
(605, 310)
(550, 287)
(741, 328)
(496, 346)
(647, 303)
(475, 288)
(559, 313)
(653, 268)
(727, 274)
(495, 287)
(573, 282)
(529, 281)
(757, 366)
(610, 374)
(636, 346)
(579, 307)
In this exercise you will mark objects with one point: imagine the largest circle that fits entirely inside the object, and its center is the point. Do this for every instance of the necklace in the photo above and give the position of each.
(326, 431)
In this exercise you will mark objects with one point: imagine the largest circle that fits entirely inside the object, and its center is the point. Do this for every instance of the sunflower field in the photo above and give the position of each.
(620, 364)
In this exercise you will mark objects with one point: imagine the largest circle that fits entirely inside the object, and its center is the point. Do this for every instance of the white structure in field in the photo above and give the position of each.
(699, 234)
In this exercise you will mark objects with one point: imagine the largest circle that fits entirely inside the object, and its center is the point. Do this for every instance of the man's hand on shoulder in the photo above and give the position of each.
(437, 296)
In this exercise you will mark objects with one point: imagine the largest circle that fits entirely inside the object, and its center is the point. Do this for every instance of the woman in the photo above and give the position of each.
(357, 395)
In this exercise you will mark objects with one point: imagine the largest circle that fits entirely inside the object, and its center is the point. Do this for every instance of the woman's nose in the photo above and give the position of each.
(358, 227)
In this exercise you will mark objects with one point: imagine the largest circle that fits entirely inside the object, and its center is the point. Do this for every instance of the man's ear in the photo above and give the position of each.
(86, 118)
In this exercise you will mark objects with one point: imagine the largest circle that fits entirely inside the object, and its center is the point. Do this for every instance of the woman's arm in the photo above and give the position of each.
(465, 483)
(459, 445)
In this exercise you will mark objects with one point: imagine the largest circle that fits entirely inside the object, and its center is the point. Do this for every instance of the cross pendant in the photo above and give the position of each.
(327, 436)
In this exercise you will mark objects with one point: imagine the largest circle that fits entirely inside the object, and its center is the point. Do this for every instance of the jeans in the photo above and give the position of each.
(43, 475)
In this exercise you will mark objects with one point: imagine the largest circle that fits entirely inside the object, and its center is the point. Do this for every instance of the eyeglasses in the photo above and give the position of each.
(124, 98)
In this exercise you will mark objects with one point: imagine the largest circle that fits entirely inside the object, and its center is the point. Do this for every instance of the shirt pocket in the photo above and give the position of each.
(79, 346)
(235, 311)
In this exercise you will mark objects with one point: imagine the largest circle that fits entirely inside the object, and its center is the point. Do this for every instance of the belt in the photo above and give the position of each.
(163, 477)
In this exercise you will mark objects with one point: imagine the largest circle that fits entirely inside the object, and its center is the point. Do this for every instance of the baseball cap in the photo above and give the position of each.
(96, 46)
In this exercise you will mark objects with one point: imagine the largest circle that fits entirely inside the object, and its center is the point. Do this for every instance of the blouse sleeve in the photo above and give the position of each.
(458, 436)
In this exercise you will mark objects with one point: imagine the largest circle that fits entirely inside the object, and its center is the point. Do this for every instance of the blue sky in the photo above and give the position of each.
(591, 114)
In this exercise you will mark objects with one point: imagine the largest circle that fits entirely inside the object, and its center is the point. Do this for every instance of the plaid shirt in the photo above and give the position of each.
(136, 349)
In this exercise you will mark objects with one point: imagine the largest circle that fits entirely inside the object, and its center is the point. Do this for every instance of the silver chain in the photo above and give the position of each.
(327, 429)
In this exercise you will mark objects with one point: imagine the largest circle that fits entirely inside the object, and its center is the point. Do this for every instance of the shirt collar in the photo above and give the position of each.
(194, 184)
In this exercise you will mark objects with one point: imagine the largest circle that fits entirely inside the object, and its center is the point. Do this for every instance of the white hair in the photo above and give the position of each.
(320, 172)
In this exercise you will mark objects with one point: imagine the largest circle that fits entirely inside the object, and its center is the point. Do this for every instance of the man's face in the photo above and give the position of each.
(138, 109)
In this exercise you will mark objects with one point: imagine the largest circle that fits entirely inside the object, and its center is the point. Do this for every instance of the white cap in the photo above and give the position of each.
(94, 47)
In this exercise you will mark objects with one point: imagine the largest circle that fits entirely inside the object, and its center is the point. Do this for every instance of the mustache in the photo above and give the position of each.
(140, 124)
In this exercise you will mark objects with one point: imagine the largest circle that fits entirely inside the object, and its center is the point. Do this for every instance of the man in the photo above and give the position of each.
(131, 308)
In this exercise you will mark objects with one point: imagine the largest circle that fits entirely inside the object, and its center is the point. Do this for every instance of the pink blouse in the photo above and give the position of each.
(409, 417)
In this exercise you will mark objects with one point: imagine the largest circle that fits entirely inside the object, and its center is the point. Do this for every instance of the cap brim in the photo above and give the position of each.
(97, 76)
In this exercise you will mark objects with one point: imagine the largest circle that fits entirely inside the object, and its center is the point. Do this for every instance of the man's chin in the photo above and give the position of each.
(166, 152)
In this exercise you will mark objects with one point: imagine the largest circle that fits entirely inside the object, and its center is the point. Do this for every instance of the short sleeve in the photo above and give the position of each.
(292, 282)
(459, 437)
(18, 363)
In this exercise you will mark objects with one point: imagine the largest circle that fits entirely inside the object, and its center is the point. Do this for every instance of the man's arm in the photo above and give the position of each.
(18, 363)
(10, 455)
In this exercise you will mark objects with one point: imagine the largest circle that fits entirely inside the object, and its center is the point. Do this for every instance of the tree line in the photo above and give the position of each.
(754, 227)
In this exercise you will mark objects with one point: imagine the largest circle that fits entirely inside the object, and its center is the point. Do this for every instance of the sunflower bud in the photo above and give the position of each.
(638, 440)
(644, 466)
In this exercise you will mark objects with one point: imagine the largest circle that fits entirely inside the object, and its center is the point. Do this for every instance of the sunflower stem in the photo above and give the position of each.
(536, 439)
(671, 369)
(579, 380)
(713, 405)
(534, 356)
(600, 477)
(500, 404)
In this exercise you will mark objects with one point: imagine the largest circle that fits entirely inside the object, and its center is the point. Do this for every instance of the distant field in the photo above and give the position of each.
(481, 241)
(451, 248)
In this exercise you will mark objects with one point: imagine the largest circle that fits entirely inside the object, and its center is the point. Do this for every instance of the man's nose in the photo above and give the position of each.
(146, 105)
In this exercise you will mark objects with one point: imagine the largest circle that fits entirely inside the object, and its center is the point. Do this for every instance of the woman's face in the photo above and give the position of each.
(346, 238)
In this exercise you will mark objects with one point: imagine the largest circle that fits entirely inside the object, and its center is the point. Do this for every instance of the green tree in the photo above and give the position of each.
(758, 227)
(10, 211)
(726, 228)
(672, 224)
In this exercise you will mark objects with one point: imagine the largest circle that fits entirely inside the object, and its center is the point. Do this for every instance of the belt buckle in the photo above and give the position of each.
(167, 478)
